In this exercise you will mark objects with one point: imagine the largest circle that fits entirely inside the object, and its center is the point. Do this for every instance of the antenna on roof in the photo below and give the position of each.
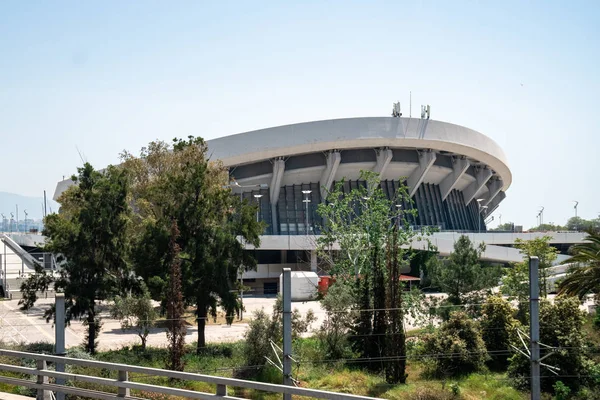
(396, 110)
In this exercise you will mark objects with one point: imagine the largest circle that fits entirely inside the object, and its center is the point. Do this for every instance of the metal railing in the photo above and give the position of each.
(123, 384)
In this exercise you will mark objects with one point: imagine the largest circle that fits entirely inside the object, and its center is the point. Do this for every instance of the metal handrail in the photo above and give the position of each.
(124, 384)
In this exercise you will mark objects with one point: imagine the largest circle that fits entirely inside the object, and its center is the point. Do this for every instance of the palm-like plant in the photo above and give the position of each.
(585, 278)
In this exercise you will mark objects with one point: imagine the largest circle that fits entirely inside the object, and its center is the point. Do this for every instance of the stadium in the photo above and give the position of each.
(456, 178)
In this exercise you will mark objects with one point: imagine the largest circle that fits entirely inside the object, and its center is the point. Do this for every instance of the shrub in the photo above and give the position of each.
(498, 330)
(455, 348)
(561, 326)
(561, 391)
(333, 333)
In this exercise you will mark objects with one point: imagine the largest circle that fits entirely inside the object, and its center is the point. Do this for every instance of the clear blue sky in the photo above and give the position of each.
(108, 76)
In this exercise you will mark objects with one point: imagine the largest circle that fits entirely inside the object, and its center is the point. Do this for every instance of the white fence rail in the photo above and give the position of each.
(123, 385)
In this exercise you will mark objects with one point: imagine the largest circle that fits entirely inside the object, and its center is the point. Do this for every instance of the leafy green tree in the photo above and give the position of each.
(580, 224)
(505, 227)
(89, 236)
(561, 326)
(136, 313)
(515, 283)
(456, 348)
(363, 241)
(498, 330)
(180, 183)
(540, 248)
(584, 278)
(462, 275)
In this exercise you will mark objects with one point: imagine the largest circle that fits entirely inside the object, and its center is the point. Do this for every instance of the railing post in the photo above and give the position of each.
(59, 338)
(123, 377)
(221, 390)
(42, 380)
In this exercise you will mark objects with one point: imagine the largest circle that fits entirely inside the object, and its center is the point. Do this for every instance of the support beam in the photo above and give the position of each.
(482, 177)
(384, 156)
(459, 167)
(274, 189)
(426, 160)
(493, 188)
(333, 162)
(495, 203)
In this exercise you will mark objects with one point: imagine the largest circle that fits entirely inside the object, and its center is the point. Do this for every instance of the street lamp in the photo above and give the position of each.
(479, 215)
(306, 201)
(257, 197)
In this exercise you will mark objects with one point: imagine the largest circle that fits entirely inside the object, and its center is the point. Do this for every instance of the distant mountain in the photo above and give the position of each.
(33, 205)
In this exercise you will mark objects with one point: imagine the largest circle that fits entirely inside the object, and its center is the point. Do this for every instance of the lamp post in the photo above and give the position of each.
(306, 201)
(257, 197)
(479, 215)
(241, 270)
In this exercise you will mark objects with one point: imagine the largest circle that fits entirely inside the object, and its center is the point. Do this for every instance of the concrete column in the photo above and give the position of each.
(426, 160)
(313, 260)
(493, 188)
(274, 189)
(459, 167)
(482, 177)
(333, 162)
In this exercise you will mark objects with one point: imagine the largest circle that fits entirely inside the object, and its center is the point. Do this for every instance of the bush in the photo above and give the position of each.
(456, 348)
(333, 333)
(561, 391)
(426, 393)
(561, 326)
(498, 330)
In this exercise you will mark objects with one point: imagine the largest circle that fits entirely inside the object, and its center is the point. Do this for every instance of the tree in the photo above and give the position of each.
(584, 278)
(498, 330)
(180, 183)
(176, 329)
(462, 275)
(89, 237)
(371, 234)
(515, 283)
(540, 248)
(580, 224)
(505, 227)
(456, 348)
(561, 326)
(135, 313)
(334, 331)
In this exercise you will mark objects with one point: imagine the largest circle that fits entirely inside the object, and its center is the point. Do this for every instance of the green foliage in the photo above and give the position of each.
(462, 275)
(90, 238)
(136, 313)
(339, 317)
(498, 330)
(264, 329)
(176, 328)
(584, 278)
(540, 248)
(561, 326)
(455, 348)
(179, 182)
(580, 224)
(561, 391)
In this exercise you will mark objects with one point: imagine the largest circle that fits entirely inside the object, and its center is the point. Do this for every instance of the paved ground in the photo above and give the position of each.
(20, 327)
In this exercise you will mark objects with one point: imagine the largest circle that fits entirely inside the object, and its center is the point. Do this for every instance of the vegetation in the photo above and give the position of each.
(498, 330)
(176, 328)
(462, 275)
(90, 241)
(584, 278)
(456, 348)
(368, 227)
(180, 183)
(515, 283)
(561, 326)
(135, 313)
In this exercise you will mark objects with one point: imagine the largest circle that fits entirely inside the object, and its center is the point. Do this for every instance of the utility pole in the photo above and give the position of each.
(534, 329)
(59, 338)
(287, 329)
